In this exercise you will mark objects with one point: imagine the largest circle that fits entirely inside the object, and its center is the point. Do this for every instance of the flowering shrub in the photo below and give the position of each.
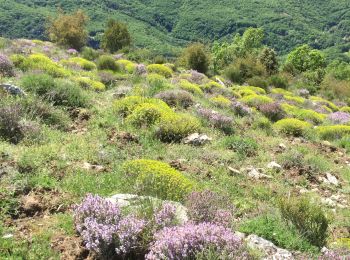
(340, 118)
(333, 132)
(322, 101)
(166, 216)
(6, 66)
(103, 228)
(184, 242)
(217, 120)
(245, 90)
(208, 206)
(221, 101)
(147, 114)
(176, 97)
(303, 93)
(190, 87)
(272, 111)
(304, 114)
(42, 62)
(140, 69)
(256, 100)
(160, 69)
(211, 87)
(88, 83)
(292, 126)
(175, 127)
(241, 109)
(107, 77)
(127, 66)
(295, 99)
(156, 178)
(81, 62)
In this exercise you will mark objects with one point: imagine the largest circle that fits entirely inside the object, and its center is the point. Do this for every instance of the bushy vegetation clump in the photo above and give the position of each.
(116, 36)
(157, 179)
(106, 62)
(196, 57)
(160, 69)
(333, 132)
(190, 87)
(292, 126)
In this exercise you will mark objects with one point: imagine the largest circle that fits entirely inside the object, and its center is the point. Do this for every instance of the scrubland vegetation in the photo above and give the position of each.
(79, 125)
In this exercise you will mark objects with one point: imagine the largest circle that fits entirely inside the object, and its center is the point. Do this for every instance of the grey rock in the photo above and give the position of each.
(257, 173)
(270, 251)
(331, 179)
(12, 89)
(197, 139)
(274, 166)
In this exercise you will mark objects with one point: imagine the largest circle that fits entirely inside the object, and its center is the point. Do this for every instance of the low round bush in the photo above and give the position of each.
(256, 100)
(147, 114)
(258, 82)
(176, 98)
(160, 69)
(244, 147)
(272, 111)
(211, 87)
(221, 101)
(333, 132)
(6, 66)
(89, 53)
(278, 81)
(176, 127)
(292, 126)
(88, 83)
(190, 87)
(158, 179)
(304, 114)
(81, 62)
(42, 62)
(157, 83)
(295, 99)
(106, 62)
(127, 66)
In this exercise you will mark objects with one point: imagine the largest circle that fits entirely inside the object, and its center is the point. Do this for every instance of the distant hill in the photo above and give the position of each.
(169, 24)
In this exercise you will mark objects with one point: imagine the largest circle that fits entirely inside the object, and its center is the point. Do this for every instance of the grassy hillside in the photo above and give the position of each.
(81, 129)
(322, 24)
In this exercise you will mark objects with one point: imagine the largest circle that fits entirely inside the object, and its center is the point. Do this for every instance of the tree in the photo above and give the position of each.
(304, 58)
(268, 58)
(197, 57)
(116, 36)
(69, 29)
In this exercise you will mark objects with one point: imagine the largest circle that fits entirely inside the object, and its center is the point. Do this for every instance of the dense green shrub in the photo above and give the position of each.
(278, 81)
(268, 58)
(156, 84)
(116, 36)
(292, 126)
(176, 98)
(258, 82)
(40, 84)
(158, 179)
(160, 69)
(106, 62)
(221, 101)
(243, 69)
(196, 57)
(333, 132)
(256, 100)
(245, 147)
(307, 217)
(176, 127)
(89, 53)
(69, 29)
(147, 114)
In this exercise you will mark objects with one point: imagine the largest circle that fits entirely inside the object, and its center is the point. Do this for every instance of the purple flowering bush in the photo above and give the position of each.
(241, 109)
(224, 123)
(184, 242)
(340, 118)
(166, 216)
(272, 111)
(6, 66)
(208, 206)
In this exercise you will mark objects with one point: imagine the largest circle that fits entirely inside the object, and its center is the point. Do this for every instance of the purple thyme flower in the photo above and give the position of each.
(339, 118)
(217, 120)
(241, 109)
(166, 215)
(6, 66)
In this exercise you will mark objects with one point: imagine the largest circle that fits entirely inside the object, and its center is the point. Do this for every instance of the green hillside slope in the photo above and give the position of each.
(323, 24)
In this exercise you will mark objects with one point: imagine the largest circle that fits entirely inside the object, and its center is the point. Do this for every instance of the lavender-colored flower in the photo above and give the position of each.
(241, 109)
(140, 69)
(6, 66)
(128, 233)
(184, 242)
(196, 77)
(339, 254)
(272, 111)
(303, 93)
(208, 206)
(166, 215)
(103, 211)
(339, 118)
(217, 120)
(72, 51)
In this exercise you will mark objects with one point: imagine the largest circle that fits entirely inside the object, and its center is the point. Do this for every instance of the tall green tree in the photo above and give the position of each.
(196, 57)
(116, 36)
(268, 58)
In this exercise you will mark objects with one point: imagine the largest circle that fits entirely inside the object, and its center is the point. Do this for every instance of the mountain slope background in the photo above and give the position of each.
(172, 24)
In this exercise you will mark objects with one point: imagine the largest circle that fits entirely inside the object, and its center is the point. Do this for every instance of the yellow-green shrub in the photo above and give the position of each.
(245, 92)
(175, 127)
(157, 83)
(190, 87)
(221, 101)
(345, 109)
(298, 100)
(304, 114)
(42, 62)
(292, 126)
(160, 69)
(281, 91)
(20, 62)
(257, 90)
(157, 179)
(127, 105)
(127, 66)
(90, 84)
(148, 114)
(333, 132)
(256, 100)
(81, 62)
(211, 86)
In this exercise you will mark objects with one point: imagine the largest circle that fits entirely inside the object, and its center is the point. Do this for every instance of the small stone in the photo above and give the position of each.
(197, 139)
(329, 202)
(233, 170)
(12, 89)
(7, 236)
(332, 179)
(94, 167)
(282, 146)
(256, 174)
(274, 166)
(302, 191)
(326, 143)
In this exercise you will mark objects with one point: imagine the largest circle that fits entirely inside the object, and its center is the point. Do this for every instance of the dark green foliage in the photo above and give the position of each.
(278, 81)
(197, 58)
(274, 229)
(106, 62)
(243, 69)
(245, 147)
(257, 81)
(116, 36)
(268, 58)
(89, 53)
(308, 218)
